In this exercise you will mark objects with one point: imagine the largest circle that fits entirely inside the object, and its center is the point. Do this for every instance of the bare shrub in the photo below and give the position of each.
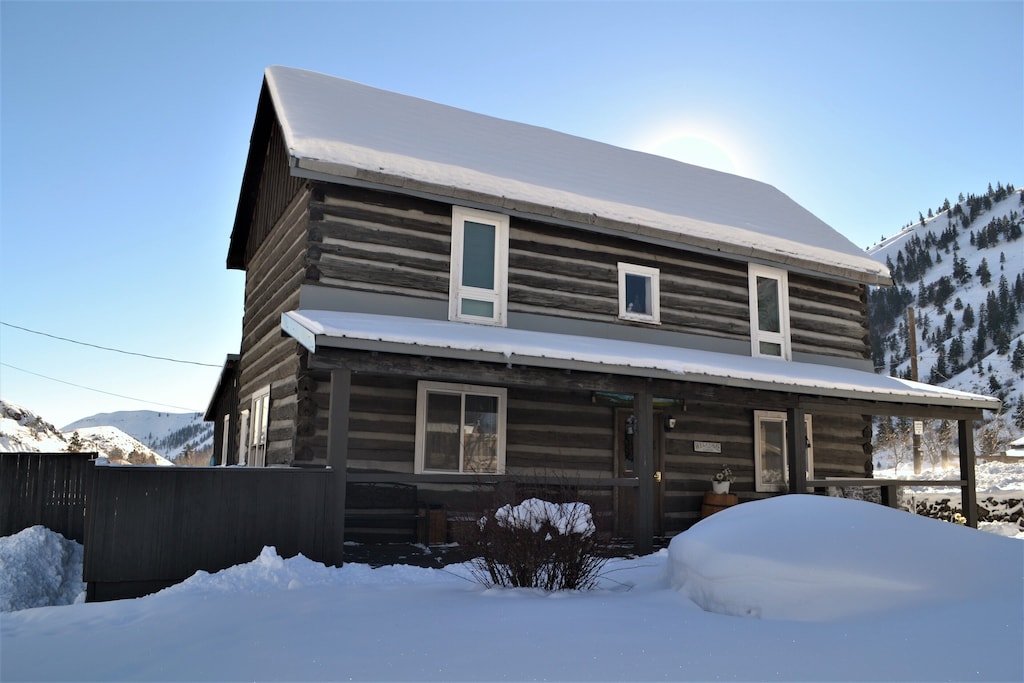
(538, 544)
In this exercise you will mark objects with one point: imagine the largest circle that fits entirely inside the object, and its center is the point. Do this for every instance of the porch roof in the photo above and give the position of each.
(318, 330)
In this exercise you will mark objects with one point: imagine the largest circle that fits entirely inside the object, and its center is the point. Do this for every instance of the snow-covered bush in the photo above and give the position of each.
(538, 544)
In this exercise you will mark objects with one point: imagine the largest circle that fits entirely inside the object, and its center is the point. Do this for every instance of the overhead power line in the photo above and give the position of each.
(99, 391)
(107, 348)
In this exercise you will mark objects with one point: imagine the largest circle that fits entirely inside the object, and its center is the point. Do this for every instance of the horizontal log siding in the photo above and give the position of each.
(565, 272)
(828, 317)
(367, 240)
(277, 188)
(376, 241)
(272, 282)
(838, 442)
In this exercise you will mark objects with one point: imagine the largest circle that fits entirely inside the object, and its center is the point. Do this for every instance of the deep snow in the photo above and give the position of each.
(829, 589)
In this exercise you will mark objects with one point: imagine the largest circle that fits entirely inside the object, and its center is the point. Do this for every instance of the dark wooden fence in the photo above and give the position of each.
(44, 488)
(150, 527)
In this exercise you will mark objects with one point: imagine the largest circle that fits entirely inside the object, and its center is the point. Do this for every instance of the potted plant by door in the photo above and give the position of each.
(722, 479)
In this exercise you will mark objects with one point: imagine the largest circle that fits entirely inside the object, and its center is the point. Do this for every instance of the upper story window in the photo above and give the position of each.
(769, 312)
(639, 293)
(478, 292)
(460, 428)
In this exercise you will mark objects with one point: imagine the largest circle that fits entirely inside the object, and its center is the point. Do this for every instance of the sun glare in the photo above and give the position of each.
(698, 146)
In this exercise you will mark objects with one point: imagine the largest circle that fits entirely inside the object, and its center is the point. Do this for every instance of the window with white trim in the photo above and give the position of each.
(771, 463)
(225, 431)
(769, 312)
(460, 428)
(259, 423)
(243, 436)
(478, 292)
(639, 293)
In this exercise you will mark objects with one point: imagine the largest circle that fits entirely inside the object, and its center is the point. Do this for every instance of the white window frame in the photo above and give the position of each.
(423, 389)
(457, 292)
(226, 438)
(653, 276)
(260, 427)
(761, 416)
(782, 337)
(243, 436)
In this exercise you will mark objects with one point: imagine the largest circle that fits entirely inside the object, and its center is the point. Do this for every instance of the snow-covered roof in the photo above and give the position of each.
(317, 330)
(339, 130)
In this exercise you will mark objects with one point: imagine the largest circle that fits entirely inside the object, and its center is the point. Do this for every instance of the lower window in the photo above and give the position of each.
(460, 428)
(771, 461)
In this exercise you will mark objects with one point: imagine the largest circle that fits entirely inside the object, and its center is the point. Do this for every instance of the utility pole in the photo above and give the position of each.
(912, 336)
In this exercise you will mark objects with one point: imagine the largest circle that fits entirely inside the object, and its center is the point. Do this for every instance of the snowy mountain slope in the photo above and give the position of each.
(962, 270)
(22, 430)
(169, 434)
(118, 446)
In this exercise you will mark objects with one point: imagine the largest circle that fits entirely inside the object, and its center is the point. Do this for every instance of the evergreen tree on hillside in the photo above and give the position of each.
(75, 443)
(983, 272)
(1017, 359)
(968, 317)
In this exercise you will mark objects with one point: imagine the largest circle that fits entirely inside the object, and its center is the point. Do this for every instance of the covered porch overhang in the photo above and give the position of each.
(346, 343)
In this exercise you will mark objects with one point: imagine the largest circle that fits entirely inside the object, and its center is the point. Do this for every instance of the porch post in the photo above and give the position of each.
(796, 450)
(337, 459)
(643, 450)
(969, 494)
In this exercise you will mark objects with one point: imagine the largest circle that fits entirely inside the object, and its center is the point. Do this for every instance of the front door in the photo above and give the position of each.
(625, 467)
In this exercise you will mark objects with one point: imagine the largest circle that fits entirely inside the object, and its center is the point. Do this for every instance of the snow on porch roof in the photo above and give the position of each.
(317, 330)
(336, 129)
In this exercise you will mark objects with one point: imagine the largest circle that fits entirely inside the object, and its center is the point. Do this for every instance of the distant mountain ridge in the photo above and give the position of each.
(21, 430)
(961, 268)
(169, 434)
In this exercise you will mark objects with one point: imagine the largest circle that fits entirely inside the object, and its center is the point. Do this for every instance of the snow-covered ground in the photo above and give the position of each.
(791, 588)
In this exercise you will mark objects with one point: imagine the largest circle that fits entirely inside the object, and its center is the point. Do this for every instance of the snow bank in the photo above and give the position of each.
(814, 558)
(39, 567)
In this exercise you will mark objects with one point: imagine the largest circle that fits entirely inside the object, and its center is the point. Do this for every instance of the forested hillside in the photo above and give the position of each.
(960, 268)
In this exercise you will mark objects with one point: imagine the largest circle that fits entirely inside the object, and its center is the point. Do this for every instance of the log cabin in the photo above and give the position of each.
(457, 303)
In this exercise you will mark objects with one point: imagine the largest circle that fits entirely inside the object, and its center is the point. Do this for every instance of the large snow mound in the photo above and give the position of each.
(39, 567)
(815, 558)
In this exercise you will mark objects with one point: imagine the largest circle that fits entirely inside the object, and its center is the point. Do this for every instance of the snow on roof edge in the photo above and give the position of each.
(317, 329)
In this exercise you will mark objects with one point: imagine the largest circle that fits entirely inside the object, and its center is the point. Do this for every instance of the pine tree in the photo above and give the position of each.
(75, 443)
(1017, 360)
(983, 272)
(968, 317)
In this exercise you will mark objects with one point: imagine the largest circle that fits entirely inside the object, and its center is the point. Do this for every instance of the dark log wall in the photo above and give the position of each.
(379, 242)
(838, 442)
(361, 239)
(273, 275)
(828, 317)
(277, 188)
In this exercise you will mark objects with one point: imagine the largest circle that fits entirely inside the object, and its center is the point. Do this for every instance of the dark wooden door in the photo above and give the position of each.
(625, 467)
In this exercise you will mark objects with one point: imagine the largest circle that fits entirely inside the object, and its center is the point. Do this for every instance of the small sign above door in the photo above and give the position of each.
(707, 447)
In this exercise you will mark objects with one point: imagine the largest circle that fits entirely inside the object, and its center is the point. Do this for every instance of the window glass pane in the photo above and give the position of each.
(638, 294)
(478, 255)
(480, 434)
(484, 309)
(768, 318)
(770, 349)
(773, 453)
(441, 450)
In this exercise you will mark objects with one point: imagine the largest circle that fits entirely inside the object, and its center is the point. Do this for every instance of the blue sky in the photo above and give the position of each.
(125, 129)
